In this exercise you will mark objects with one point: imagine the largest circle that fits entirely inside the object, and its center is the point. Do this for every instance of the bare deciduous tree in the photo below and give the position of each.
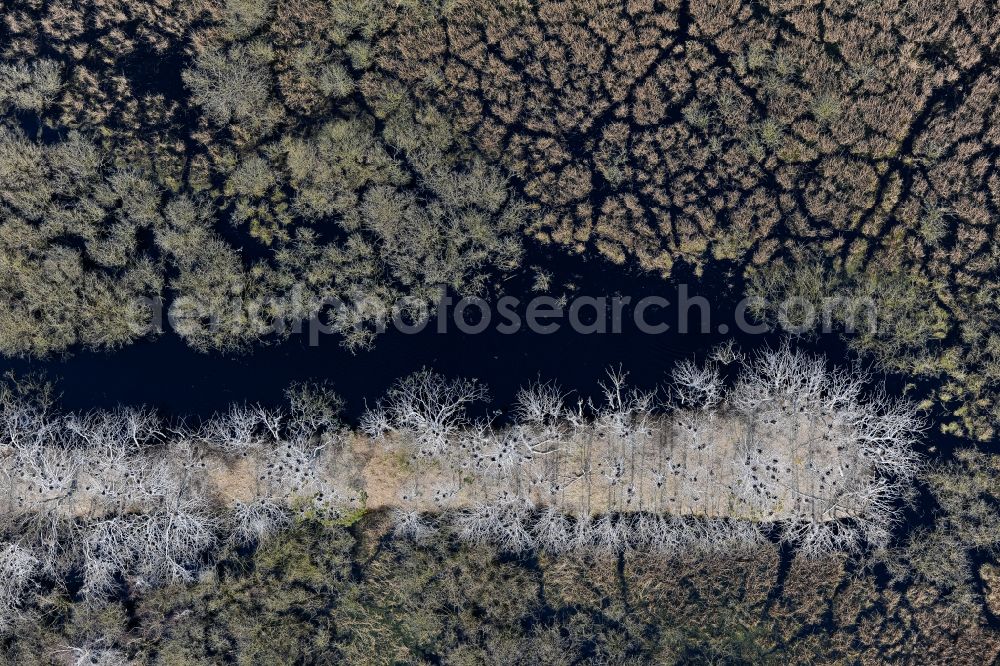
(17, 568)
(412, 525)
(253, 522)
(427, 408)
(696, 387)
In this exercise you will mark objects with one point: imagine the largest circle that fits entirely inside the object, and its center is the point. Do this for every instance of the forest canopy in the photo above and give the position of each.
(246, 165)
(366, 151)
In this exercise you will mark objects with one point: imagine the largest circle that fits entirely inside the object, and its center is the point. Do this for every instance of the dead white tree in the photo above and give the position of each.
(541, 404)
(696, 387)
(288, 469)
(500, 456)
(412, 525)
(18, 566)
(817, 539)
(27, 418)
(726, 353)
(242, 429)
(171, 541)
(664, 536)
(109, 549)
(553, 530)
(625, 413)
(583, 533)
(503, 523)
(93, 655)
(610, 534)
(427, 409)
(49, 475)
(624, 425)
(376, 422)
(253, 522)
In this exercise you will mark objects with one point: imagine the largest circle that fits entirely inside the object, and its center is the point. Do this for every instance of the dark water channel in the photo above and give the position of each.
(178, 380)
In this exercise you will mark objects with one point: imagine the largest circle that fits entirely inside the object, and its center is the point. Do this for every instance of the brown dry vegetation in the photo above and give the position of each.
(330, 595)
(862, 136)
(726, 130)
(369, 144)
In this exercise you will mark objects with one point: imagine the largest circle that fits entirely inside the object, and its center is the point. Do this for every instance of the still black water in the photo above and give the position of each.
(164, 372)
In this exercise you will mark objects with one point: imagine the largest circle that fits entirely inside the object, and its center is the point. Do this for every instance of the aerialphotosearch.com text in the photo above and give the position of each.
(655, 314)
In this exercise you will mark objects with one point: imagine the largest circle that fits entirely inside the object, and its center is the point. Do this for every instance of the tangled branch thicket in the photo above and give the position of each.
(122, 494)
